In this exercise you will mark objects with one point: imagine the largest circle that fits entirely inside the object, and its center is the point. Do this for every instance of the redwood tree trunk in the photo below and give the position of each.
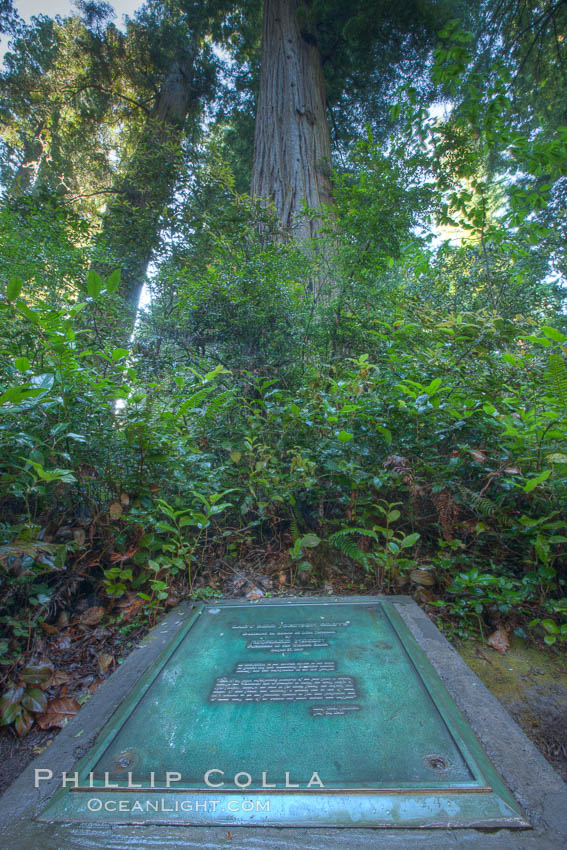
(292, 144)
(130, 230)
(26, 174)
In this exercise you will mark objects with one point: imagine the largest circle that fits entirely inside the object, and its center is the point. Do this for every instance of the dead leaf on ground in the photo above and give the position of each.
(499, 640)
(23, 723)
(115, 510)
(423, 577)
(49, 629)
(59, 711)
(424, 595)
(63, 619)
(130, 605)
(58, 677)
(79, 536)
(92, 616)
(104, 662)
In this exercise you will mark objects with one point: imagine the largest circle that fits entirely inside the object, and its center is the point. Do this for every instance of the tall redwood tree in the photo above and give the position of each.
(357, 54)
(292, 144)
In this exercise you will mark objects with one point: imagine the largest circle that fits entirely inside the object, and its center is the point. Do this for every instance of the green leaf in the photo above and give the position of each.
(165, 526)
(217, 509)
(218, 370)
(344, 436)
(30, 315)
(113, 281)
(10, 713)
(557, 457)
(22, 364)
(34, 700)
(539, 479)
(54, 474)
(10, 705)
(94, 284)
(43, 382)
(119, 353)
(14, 288)
(37, 387)
(76, 308)
(410, 540)
(201, 520)
(77, 437)
(36, 675)
(185, 521)
(433, 386)
(13, 395)
(310, 541)
(554, 334)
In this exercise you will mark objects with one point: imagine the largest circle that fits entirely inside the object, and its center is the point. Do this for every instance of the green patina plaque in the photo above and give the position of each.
(315, 713)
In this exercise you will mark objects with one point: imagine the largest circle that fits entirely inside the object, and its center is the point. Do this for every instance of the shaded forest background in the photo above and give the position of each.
(350, 378)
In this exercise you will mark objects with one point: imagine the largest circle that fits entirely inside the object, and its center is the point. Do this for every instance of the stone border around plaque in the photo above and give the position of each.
(513, 792)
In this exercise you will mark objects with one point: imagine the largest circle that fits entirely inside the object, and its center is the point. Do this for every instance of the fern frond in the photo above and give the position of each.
(294, 528)
(217, 402)
(342, 541)
(556, 377)
(365, 532)
(482, 505)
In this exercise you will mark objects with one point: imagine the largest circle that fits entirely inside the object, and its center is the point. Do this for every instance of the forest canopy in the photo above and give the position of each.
(282, 307)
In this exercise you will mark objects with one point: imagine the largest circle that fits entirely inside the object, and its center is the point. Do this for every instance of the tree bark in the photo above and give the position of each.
(34, 151)
(292, 144)
(130, 230)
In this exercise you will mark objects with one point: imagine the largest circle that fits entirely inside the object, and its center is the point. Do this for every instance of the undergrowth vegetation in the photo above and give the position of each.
(390, 401)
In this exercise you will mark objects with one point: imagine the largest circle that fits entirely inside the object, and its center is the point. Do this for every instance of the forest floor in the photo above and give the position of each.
(531, 684)
(86, 644)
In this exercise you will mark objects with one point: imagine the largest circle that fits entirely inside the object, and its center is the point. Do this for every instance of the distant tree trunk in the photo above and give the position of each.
(26, 174)
(130, 230)
(292, 144)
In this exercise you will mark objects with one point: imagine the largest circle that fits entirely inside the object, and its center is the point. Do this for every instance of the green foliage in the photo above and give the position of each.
(388, 400)
(24, 699)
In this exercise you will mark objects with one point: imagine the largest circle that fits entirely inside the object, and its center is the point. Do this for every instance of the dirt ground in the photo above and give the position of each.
(531, 683)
